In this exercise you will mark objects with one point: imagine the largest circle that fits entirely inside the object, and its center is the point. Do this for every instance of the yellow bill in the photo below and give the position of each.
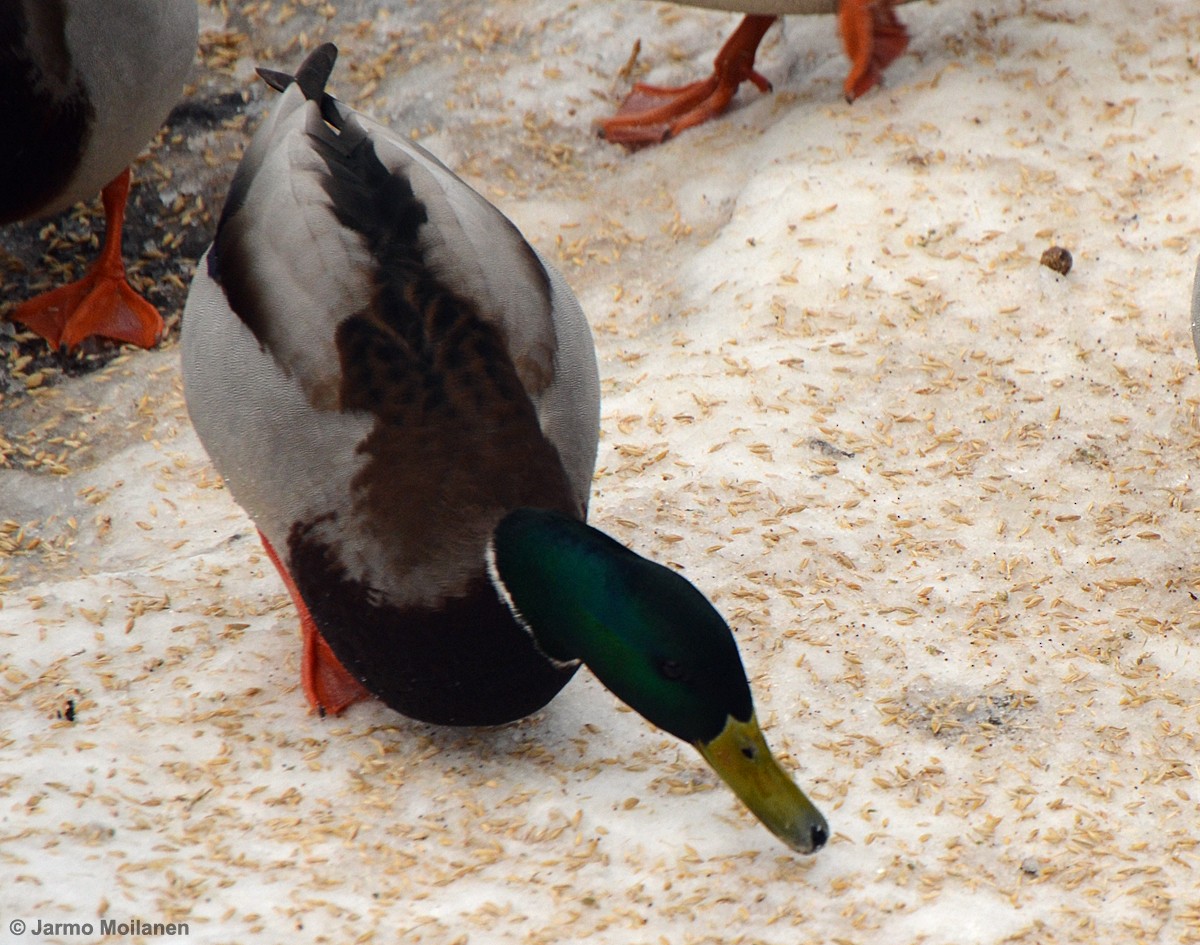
(741, 757)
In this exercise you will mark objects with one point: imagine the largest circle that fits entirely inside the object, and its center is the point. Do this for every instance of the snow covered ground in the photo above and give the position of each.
(942, 493)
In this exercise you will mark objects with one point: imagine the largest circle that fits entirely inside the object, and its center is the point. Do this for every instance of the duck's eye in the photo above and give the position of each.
(670, 669)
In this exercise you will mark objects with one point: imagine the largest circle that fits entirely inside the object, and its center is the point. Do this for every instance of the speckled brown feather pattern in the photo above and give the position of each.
(407, 244)
(456, 437)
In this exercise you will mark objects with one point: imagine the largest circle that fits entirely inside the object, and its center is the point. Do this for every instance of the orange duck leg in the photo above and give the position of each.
(328, 685)
(653, 113)
(102, 302)
(872, 36)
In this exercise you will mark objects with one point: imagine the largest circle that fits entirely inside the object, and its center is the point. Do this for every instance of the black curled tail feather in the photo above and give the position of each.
(314, 72)
(312, 77)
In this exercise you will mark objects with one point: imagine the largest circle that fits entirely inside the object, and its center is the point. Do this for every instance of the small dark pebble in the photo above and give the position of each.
(829, 449)
(1058, 259)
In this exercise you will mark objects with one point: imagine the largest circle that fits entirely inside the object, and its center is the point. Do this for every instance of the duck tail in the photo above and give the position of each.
(312, 77)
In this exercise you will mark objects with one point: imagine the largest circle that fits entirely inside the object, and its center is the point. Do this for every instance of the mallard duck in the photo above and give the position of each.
(871, 34)
(84, 85)
(403, 394)
(1196, 310)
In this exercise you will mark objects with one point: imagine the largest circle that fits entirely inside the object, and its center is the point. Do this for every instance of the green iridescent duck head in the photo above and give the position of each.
(657, 643)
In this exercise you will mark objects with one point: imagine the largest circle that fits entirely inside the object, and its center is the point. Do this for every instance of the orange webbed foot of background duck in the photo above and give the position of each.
(873, 38)
(652, 113)
(102, 303)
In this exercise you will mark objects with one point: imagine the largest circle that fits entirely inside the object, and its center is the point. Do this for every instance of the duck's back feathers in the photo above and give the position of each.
(414, 369)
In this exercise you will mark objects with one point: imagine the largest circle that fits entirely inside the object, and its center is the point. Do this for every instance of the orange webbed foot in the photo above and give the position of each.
(873, 38)
(652, 113)
(102, 303)
(329, 687)
(98, 304)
